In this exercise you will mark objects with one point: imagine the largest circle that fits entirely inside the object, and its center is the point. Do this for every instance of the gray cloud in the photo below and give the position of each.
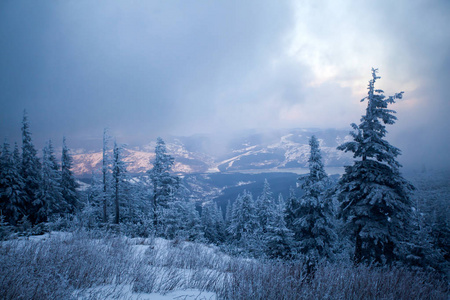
(149, 68)
(140, 65)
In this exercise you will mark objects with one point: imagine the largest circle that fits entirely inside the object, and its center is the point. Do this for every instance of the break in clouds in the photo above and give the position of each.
(150, 68)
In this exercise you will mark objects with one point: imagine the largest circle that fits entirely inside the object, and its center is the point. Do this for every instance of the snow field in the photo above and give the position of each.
(95, 265)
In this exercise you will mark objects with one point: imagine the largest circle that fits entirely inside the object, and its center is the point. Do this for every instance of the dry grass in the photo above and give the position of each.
(81, 264)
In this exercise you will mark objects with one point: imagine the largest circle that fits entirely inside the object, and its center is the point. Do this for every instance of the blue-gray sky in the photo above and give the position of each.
(149, 68)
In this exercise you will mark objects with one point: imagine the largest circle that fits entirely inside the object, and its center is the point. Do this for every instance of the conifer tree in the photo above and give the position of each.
(11, 185)
(374, 197)
(220, 223)
(105, 173)
(117, 174)
(31, 173)
(265, 206)
(191, 223)
(314, 217)
(16, 156)
(213, 223)
(280, 201)
(93, 208)
(172, 214)
(278, 238)
(119, 181)
(51, 201)
(138, 208)
(291, 213)
(208, 225)
(244, 225)
(68, 184)
(421, 252)
(164, 184)
(228, 213)
(181, 220)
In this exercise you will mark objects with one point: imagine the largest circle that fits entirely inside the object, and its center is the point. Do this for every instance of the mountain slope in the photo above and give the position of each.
(277, 150)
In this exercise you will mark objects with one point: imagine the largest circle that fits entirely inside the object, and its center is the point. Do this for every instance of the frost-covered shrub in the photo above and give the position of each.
(54, 268)
(93, 265)
(5, 229)
(143, 229)
(278, 280)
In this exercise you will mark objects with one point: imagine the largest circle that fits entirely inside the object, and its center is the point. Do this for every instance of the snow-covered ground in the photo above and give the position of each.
(125, 291)
(167, 270)
(96, 265)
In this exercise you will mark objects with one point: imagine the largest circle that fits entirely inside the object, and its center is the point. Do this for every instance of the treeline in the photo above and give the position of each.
(33, 191)
(368, 216)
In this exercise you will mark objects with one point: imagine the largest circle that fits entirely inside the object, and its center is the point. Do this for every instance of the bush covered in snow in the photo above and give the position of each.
(92, 265)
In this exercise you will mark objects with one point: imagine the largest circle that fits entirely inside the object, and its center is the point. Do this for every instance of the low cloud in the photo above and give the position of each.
(149, 68)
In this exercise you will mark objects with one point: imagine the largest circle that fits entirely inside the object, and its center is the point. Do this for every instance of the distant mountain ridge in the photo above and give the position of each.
(277, 150)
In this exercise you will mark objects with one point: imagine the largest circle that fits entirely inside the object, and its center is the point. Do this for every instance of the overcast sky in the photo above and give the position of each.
(150, 68)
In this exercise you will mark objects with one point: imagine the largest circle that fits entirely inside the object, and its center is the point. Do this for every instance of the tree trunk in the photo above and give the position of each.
(155, 215)
(105, 219)
(116, 200)
(358, 247)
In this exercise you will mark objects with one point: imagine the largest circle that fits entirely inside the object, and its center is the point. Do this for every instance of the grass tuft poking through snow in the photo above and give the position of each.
(92, 265)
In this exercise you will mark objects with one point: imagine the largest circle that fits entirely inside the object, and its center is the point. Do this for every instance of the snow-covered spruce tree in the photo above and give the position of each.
(119, 172)
(191, 223)
(244, 225)
(220, 223)
(16, 156)
(291, 213)
(432, 213)
(422, 253)
(180, 218)
(164, 184)
(105, 173)
(30, 171)
(278, 238)
(280, 201)
(228, 213)
(51, 201)
(212, 223)
(265, 206)
(92, 210)
(11, 185)
(275, 238)
(374, 197)
(68, 183)
(314, 221)
(139, 208)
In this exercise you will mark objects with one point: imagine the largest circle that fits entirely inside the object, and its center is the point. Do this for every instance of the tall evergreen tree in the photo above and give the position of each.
(280, 201)
(16, 156)
(51, 201)
(119, 181)
(213, 223)
(220, 223)
(422, 252)
(291, 214)
(31, 173)
(244, 225)
(374, 197)
(92, 210)
(314, 219)
(265, 206)
(165, 185)
(278, 238)
(11, 185)
(228, 212)
(191, 223)
(68, 183)
(137, 209)
(105, 173)
(181, 220)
